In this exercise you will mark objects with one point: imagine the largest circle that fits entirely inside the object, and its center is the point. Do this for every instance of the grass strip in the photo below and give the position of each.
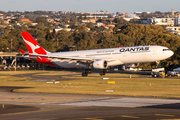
(147, 87)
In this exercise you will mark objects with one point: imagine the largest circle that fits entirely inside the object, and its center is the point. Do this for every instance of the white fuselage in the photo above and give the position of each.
(115, 56)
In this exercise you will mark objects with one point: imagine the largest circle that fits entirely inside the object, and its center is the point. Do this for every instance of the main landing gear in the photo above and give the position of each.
(88, 71)
(104, 72)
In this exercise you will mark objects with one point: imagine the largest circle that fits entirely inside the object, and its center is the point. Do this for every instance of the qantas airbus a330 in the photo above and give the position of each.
(97, 59)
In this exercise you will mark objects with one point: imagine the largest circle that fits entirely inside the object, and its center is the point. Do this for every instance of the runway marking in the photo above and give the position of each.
(128, 116)
(164, 115)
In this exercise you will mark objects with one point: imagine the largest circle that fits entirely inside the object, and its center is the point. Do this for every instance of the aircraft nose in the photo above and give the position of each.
(171, 53)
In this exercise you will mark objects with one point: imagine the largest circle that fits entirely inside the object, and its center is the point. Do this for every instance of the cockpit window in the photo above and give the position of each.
(166, 49)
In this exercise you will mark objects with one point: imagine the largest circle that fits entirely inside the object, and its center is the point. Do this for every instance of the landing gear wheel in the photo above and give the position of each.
(88, 71)
(106, 70)
(84, 74)
(102, 73)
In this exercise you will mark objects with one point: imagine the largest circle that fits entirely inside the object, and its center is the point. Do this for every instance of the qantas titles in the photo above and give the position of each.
(135, 49)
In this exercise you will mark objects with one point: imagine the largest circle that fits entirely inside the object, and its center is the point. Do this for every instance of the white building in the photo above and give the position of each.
(59, 29)
(95, 15)
(99, 24)
(159, 21)
(127, 16)
(174, 30)
(162, 21)
(143, 21)
(1, 16)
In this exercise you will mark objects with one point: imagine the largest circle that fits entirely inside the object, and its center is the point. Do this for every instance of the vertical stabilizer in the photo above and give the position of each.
(32, 45)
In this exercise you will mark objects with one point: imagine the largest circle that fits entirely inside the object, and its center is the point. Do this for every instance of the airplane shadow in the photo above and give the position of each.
(165, 106)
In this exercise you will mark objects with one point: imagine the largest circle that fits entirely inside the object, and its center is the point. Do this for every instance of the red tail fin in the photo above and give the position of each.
(32, 45)
(21, 51)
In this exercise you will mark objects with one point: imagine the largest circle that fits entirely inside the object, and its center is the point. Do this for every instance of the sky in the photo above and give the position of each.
(112, 6)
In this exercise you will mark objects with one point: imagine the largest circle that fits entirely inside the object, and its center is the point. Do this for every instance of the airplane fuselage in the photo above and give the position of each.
(115, 56)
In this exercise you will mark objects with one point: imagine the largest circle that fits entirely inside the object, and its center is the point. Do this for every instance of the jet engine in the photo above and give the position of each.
(100, 64)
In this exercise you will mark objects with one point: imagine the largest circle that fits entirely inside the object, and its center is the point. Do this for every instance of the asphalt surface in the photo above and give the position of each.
(29, 106)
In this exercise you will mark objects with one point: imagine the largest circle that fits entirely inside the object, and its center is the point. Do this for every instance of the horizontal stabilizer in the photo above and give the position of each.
(23, 52)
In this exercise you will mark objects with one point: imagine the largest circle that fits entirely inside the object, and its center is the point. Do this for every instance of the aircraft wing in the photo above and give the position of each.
(68, 58)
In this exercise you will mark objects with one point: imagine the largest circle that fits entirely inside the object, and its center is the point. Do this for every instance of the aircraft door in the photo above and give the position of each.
(153, 53)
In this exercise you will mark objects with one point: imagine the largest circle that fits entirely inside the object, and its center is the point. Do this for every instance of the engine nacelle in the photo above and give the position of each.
(100, 64)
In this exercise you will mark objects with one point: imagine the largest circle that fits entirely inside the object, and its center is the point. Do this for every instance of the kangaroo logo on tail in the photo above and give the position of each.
(33, 47)
(31, 44)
